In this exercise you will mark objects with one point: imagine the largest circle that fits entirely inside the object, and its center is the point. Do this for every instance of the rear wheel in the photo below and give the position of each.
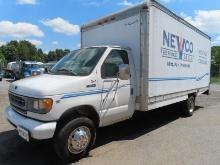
(75, 139)
(189, 106)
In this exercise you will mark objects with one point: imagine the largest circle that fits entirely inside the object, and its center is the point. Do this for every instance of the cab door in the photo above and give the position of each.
(116, 95)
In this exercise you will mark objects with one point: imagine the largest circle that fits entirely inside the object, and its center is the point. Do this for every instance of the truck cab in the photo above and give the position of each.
(83, 91)
(31, 69)
(24, 69)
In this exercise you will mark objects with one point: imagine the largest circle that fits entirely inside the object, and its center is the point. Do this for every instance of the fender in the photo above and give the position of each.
(84, 110)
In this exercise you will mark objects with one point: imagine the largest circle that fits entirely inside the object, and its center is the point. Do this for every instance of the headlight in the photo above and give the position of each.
(41, 106)
(34, 73)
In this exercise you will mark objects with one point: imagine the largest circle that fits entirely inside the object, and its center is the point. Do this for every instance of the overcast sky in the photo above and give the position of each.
(51, 24)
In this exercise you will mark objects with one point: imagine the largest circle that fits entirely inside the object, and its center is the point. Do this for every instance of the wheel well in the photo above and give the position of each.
(192, 94)
(85, 110)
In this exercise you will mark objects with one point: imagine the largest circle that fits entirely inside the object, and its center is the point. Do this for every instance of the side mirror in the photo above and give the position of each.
(124, 72)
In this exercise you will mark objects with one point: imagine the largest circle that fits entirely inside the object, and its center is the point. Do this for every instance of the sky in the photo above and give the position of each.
(51, 24)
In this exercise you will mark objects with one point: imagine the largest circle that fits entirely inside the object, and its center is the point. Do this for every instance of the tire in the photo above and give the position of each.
(75, 129)
(189, 106)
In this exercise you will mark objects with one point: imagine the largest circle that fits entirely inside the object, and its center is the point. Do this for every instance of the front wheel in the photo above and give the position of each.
(75, 139)
(189, 106)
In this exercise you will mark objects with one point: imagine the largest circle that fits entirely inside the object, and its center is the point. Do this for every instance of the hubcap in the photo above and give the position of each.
(79, 139)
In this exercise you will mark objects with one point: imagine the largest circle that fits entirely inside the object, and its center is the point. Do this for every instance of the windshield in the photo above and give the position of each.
(31, 66)
(80, 62)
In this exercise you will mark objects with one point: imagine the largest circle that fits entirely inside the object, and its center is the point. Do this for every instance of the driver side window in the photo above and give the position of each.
(110, 67)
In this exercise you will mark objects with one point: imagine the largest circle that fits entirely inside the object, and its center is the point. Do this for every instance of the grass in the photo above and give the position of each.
(215, 80)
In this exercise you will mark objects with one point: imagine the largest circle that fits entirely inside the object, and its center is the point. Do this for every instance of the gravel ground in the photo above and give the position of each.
(154, 138)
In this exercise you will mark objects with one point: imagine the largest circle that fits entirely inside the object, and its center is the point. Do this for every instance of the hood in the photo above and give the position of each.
(48, 85)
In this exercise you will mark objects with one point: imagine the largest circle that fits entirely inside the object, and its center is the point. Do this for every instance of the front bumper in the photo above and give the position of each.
(38, 130)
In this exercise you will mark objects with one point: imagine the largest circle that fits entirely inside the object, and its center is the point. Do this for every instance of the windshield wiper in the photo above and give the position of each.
(67, 71)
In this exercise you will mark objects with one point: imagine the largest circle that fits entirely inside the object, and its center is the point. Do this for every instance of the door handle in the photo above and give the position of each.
(90, 85)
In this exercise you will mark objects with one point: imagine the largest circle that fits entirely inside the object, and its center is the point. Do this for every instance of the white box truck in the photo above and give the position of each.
(141, 58)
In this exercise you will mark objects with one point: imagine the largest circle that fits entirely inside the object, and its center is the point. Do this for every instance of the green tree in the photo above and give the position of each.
(2, 59)
(215, 69)
(26, 51)
(56, 55)
(10, 51)
(215, 55)
(22, 50)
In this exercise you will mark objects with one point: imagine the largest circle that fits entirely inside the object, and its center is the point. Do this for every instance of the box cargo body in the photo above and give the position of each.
(172, 57)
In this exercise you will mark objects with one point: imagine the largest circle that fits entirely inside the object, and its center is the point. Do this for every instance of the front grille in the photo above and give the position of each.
(18, 101)
(19, 110)
(35, 73)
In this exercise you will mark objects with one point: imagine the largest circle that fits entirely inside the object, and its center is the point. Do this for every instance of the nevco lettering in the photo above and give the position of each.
(178, 43)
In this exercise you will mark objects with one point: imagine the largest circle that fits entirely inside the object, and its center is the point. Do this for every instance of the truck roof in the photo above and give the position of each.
(33, 62)
(135, 10)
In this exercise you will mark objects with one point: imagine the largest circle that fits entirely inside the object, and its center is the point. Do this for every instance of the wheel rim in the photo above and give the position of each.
(191, 105)
(79, 139)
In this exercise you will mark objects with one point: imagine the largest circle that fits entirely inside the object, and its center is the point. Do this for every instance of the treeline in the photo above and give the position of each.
(215, 68)
(26, 51)
(216, 55)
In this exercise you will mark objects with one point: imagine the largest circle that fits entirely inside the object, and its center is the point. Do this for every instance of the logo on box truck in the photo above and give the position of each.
(175, 46)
